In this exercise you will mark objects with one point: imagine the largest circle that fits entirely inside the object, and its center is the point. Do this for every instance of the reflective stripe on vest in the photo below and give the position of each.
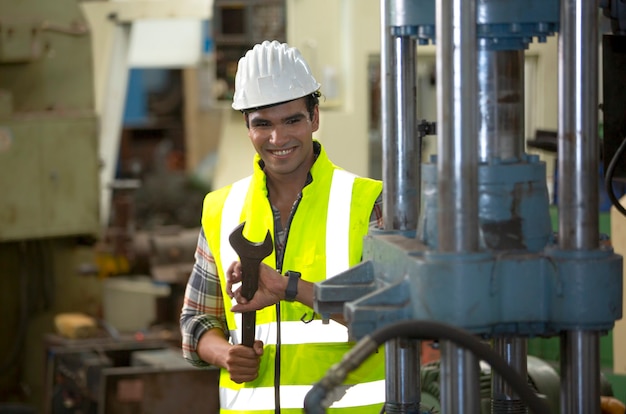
(230, 219)
(292, 396)
(297, 332)
(338, 244)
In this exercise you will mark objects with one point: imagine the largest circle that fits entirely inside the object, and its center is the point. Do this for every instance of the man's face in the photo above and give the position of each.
(283, 136)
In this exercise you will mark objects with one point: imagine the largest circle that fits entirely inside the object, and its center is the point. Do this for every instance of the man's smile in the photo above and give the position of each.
(282, 152)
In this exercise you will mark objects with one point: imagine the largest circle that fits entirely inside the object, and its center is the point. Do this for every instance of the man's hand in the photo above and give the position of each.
(271, 288)
(242, 362)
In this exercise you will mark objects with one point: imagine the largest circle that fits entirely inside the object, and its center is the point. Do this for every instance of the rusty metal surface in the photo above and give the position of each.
(154, 390)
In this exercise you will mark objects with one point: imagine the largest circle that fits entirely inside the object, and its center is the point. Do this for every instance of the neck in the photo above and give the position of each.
(284, 189)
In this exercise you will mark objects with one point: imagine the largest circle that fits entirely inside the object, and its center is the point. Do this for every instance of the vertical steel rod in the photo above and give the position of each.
(460, 385)
(580, 373)
(578, 145)
(503, 399)
(457, 161)
(401, 192)
(402, 394)
(578, 161)
(457, 170)
(401, 149)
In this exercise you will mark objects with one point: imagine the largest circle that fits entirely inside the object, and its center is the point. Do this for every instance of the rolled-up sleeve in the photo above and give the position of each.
(203, 306)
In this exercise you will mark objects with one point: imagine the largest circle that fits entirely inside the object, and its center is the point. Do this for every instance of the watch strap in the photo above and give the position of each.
(292, 285)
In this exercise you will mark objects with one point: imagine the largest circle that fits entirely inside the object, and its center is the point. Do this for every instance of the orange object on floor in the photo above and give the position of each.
(430, 352)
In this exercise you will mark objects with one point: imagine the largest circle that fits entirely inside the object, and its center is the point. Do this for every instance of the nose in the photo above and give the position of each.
(279, 136)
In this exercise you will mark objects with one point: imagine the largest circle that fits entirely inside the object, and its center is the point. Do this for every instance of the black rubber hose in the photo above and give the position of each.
(421, 330)
(608, 178)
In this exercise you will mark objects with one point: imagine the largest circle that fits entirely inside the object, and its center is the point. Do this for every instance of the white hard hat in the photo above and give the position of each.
(271, 73)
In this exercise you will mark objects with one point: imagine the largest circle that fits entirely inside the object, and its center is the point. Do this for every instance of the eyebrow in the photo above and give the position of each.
(295, 117)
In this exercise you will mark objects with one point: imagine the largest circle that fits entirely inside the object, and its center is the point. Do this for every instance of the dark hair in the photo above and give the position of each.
(311, 101)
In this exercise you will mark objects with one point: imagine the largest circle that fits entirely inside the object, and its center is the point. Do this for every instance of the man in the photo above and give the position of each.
(317, 215)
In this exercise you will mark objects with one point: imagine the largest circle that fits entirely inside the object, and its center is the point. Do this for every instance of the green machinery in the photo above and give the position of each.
(48, 127)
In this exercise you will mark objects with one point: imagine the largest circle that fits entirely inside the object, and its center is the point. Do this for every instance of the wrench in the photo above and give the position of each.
(251, 255)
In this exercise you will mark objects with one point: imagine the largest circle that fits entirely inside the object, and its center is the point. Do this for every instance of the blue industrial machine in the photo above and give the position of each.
(467, 255)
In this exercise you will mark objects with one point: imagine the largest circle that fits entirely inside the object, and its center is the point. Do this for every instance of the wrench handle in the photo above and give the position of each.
(248, 320)
(249, 286)
(249, 277)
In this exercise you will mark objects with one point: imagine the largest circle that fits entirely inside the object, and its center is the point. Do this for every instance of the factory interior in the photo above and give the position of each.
(497, 127)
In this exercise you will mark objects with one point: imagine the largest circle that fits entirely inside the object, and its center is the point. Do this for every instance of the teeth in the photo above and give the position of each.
(282, 152)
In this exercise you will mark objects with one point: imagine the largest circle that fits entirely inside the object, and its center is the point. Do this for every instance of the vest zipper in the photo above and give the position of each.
(278, 317)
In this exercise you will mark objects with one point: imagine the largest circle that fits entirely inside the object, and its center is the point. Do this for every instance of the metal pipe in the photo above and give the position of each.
(580, 372)
(401, 193)
(578, 145)
(503, 399)
(578, 159)
(457, 170)
(460, 385)
(400, 146)
(402, 376)
(457, 161)
(500, 105)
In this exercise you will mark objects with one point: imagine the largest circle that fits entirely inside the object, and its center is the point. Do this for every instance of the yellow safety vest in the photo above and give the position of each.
(325, 238)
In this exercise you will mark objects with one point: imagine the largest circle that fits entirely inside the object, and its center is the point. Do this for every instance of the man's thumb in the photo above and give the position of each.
(258, 347)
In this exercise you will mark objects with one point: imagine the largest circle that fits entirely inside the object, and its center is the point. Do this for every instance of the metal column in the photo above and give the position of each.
(578, 155)
(457, 166)
(460, 385)
(401, 161)
(401, 151)
(457, 169)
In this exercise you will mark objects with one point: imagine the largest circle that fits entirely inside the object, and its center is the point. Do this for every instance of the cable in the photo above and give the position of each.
(277, 362)
(608, 178)
(420, 330)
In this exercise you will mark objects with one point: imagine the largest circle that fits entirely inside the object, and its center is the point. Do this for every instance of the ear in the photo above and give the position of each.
(315, 123)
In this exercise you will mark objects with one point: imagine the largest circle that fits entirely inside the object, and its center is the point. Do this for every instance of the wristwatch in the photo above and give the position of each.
(292, 285)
